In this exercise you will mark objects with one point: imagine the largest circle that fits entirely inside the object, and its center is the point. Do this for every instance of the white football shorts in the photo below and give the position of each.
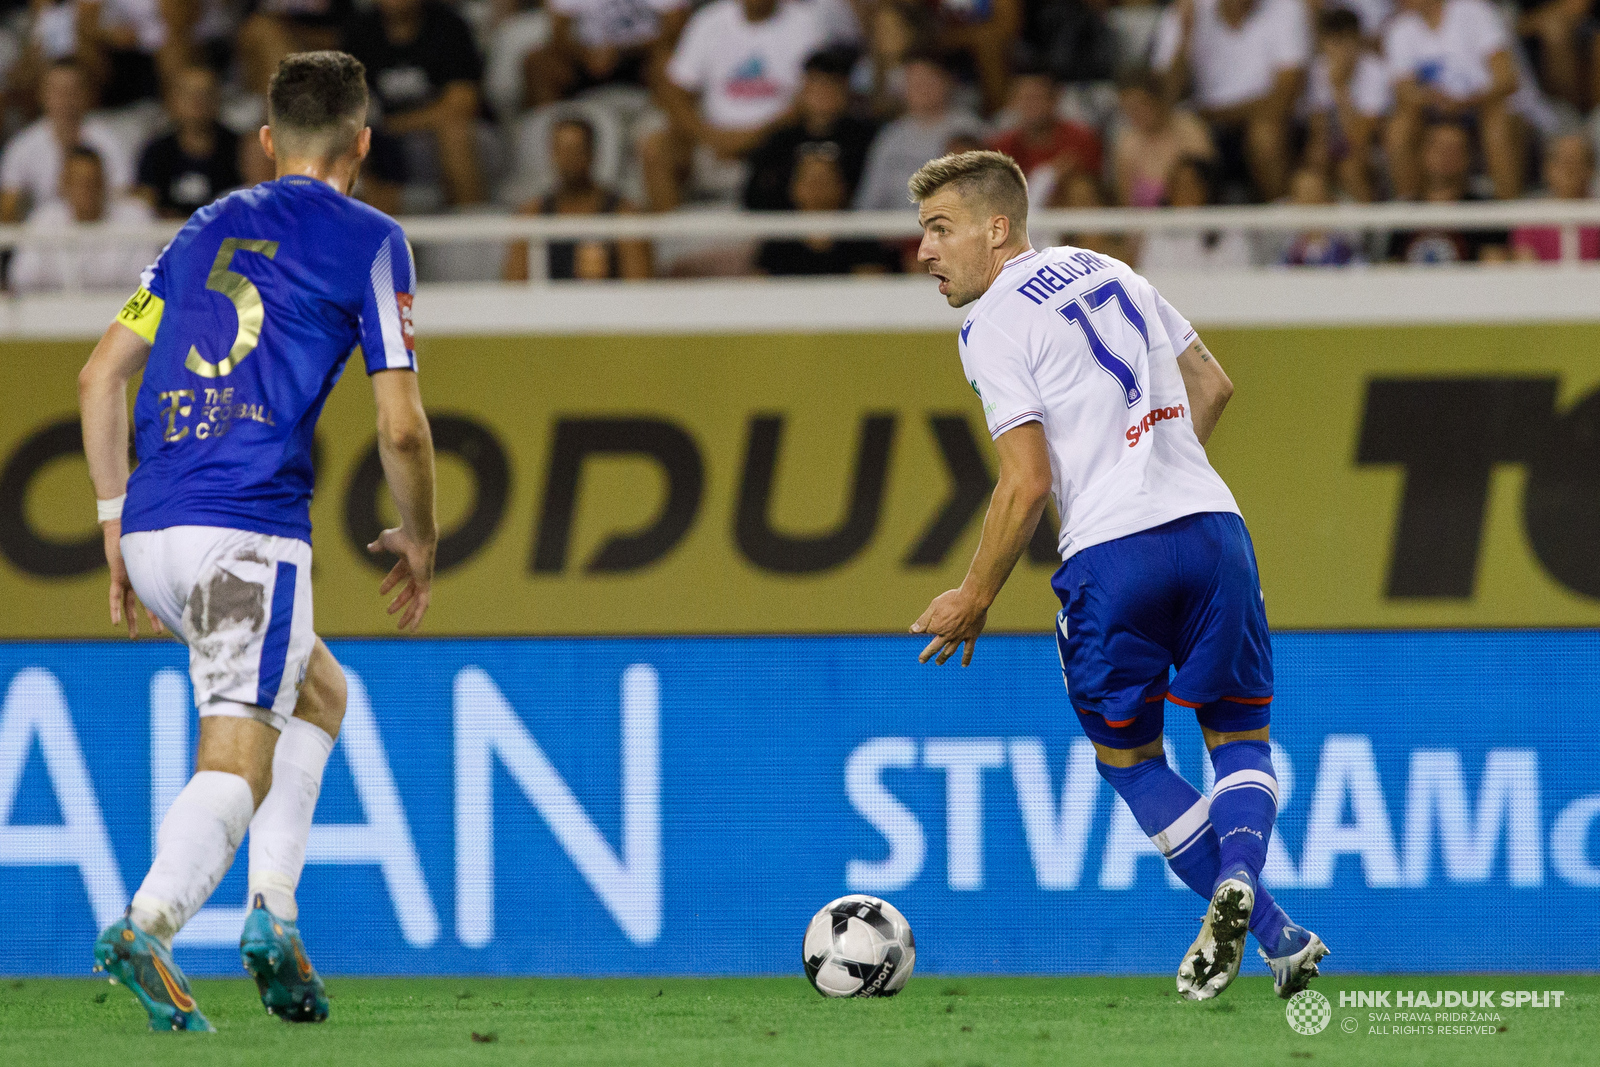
(241, 601)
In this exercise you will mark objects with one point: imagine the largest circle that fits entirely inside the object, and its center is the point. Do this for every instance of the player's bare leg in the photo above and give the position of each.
(270, 944)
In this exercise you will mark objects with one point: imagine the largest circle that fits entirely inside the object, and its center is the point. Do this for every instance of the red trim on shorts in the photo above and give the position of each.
(1253, 701)
(1117, 723)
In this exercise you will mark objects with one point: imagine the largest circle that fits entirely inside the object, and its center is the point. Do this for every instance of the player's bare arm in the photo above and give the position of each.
(103, 406)
(957, 617)
(405, 445)
(1208, 387)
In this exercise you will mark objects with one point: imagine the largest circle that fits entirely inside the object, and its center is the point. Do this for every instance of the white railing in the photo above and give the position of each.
(744, 226)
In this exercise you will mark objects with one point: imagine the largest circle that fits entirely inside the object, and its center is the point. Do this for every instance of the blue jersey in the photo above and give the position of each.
(251, 312)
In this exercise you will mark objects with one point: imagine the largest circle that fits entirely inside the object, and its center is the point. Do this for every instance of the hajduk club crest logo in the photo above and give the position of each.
(1308, 1012)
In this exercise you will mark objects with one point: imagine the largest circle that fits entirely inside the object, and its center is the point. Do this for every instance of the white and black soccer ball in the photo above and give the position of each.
(859, 946)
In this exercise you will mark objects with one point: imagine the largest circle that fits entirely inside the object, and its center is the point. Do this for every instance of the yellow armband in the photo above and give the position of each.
(142, 314)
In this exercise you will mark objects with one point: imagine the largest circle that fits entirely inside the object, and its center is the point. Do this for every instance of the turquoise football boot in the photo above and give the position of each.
(143, 964)
(276, 958)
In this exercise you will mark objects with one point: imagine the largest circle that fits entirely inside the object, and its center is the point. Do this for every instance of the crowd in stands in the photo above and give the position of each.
(129, 110)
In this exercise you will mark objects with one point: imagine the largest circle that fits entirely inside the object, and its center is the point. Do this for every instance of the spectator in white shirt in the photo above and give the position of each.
(1244, 61)
(30, 169)
(921, 134)
(730, 82)
(83, 198)
(1451, 60)
(603, 42)
(1347, 97)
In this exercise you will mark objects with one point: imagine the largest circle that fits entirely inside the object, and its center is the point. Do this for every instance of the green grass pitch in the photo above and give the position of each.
(938, 1020)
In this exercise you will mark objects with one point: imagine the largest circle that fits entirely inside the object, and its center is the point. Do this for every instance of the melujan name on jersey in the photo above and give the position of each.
(1054, 277)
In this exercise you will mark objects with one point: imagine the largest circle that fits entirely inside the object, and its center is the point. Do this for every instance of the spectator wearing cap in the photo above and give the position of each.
(424, 72)
(1347, 98)
(1446, 178)
(1244, 61)
(823, 119)
(818, 184)
(1040, 137)
(731, 81)
(602, 42)
(30, 168)
(82, 198)
(1568, 174)
(1151, 138)
(1451, 61)
(199, 160)
(577, 193)
(919, 135)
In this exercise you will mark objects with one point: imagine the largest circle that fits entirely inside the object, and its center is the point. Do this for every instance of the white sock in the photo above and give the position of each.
(194, 849)
(278, 832)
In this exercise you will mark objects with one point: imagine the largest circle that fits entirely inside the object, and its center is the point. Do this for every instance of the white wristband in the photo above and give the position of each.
(110, 509)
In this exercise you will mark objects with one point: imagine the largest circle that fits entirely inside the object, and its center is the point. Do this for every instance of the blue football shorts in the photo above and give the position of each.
(1185, 594)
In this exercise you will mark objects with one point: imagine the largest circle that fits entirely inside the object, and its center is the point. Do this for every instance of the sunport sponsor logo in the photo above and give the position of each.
(1451, 998)
(1142, 427)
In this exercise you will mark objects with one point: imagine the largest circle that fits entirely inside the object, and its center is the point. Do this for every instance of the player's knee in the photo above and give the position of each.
(324, 693)
(1122, 758)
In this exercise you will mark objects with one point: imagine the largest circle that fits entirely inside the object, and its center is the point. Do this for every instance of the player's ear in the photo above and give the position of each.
(999, 231)
(363, 143)
(265, 135)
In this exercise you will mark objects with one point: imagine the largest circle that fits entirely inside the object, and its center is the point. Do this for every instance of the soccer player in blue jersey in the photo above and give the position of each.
(241, 328)
(1099, 393)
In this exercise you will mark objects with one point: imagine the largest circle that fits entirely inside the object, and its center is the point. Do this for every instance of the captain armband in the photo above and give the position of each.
(142, 314)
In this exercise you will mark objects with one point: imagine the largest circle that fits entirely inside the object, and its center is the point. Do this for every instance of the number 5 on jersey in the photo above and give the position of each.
(1078, 314)
(246, 300)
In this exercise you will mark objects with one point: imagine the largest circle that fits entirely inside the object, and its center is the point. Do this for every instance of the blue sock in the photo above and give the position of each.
(1175, 817)
(1172, 813)
(1244, 803)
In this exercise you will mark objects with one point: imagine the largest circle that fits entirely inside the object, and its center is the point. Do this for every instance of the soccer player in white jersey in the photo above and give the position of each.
(1099, 393)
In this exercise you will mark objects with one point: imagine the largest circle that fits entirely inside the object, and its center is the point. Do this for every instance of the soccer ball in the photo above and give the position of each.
(859, 946)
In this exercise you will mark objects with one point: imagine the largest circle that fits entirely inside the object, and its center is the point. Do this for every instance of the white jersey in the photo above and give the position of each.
(1083, 345)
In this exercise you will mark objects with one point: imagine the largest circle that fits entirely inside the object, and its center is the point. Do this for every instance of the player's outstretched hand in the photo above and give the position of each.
(125, 606)
(414, 570)
(954, 618)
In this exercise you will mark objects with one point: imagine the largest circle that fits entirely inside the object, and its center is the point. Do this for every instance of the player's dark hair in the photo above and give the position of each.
(317, 103)
(1339, 22)
(991, 178)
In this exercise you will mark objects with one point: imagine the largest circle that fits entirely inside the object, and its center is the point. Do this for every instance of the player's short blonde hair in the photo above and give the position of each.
(991, 178)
